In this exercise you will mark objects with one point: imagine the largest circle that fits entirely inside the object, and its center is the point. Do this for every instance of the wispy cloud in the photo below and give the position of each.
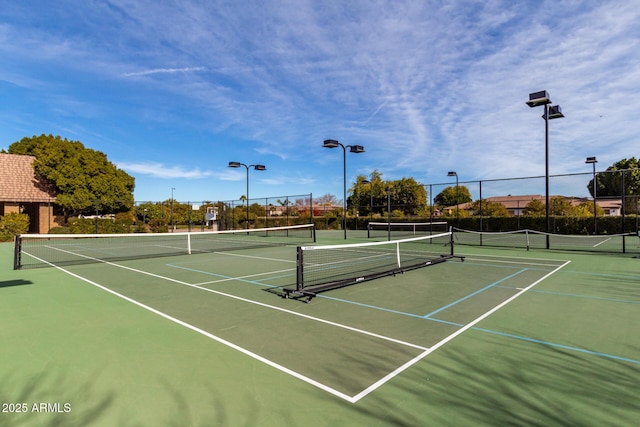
(164, 71)
(159, 170)
(436, 86)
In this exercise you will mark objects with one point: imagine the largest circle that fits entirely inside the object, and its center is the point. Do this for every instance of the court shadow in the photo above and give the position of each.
(517, 384)
(17, 282)
(49, 399)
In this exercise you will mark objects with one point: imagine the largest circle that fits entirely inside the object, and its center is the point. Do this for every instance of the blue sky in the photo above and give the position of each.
(172, 91)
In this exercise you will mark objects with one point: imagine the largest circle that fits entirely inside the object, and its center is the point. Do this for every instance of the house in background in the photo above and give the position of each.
(23, 191)
(516, 204)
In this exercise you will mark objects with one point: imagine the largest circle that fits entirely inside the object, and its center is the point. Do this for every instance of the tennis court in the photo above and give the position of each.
(507, 336)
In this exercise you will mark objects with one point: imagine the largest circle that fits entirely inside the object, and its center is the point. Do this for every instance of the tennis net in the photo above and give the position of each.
(321, 268)
(400, 229)
(531, 239)
(38, 250)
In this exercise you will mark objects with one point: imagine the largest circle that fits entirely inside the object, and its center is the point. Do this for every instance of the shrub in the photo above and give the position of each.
(13, 224)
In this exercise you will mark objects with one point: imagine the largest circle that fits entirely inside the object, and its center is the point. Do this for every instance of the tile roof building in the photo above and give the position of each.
(22, 190)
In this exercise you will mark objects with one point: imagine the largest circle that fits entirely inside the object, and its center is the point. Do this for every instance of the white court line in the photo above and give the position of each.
(221, 340)
(351, 399)
(255, 257)
(227, 279)
(383, 380)
(518, 263)
(604, 241)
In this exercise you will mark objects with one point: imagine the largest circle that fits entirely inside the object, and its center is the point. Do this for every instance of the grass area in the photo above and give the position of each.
(563, 349)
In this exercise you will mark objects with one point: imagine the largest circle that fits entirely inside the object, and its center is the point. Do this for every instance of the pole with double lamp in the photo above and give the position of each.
(537, 99)
(255, 167)
(593, 161)
(332, 143)
(452, 173)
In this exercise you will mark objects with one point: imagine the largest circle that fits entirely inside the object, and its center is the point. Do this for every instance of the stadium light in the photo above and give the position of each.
(255, 167)
(593, 161)
(537, 99)
(452, 173)
(332, 143)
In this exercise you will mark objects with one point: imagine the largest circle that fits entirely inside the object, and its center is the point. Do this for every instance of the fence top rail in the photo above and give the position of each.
(532, 177)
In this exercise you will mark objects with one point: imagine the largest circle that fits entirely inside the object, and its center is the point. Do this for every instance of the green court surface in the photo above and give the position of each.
(507, 337)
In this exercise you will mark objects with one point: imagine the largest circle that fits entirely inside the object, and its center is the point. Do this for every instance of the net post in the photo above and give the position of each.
(299, 269)
(527, 236)
(398, 254)
(17, 251)
(451, 241)
(189, 243)
(313, 231)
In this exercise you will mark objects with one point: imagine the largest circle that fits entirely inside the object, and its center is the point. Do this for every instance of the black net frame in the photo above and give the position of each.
(323, 268)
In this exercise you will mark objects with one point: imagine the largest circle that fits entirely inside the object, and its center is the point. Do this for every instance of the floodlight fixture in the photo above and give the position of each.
(332, 143)
(555, 112)
(247, 167)
(537, 99)
(453, 173)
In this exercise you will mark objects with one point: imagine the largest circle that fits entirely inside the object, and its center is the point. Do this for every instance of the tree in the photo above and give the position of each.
(369, 196)
(327, 200)
(610, 182)
(535, 208)
(586, 209)
(83, 178)
(490, 208)
(407, 196)
(327, 204)
(452, 196)
(560, 206)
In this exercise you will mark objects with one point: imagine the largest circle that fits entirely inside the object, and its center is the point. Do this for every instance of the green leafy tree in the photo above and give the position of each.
(535, 208)
(407, 196)
(586, 209)
(490, 208)
(610, 182)
(83, 178)
(369, 196)
(451, 196)
(561, 206)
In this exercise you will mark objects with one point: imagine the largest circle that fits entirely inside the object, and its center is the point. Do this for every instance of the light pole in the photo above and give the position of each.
(255, 167)
(332, 143)
(537, 99)
(452, 173)
(593, 161)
